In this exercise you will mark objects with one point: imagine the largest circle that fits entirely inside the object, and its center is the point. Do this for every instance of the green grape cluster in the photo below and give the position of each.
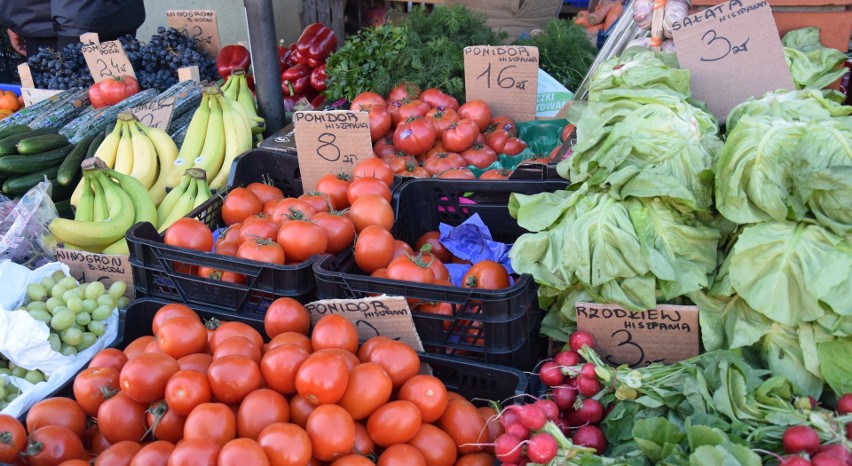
(8, 392)
(75, 313)
(9, 368)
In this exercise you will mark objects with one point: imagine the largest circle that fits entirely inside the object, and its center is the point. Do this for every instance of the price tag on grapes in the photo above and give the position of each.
(330, 142)
(200, 25)
(504, 76)
(733, 52)
(89, 267)
(156, 113)
(107, 60)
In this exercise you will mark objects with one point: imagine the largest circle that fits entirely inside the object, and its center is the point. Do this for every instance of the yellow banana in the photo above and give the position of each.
(100, 210)
(237, 139)
(85, 207)
(98, 234)
(167, 153)
(144, 156)
(119, 248)
(124, 156)
(231, 87)
(246, 100)
(192, 143)
(168, 203)
(108, 149)
(144, 206)
(182, 207)
(213, 153)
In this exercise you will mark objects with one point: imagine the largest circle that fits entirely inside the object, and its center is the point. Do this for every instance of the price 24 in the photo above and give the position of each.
(503, 79)
(111, 69)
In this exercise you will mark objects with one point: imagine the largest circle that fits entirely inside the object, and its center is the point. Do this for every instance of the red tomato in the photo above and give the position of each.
(486, 275)
(398, 161)
(413, 170)
(438, 268)
(437, 448)
(279, 366)
(463, 423)
(258, 226)
(373, 248)
(195, 362)
(368, 185)
(478, 111)
(243, 452)
(334, 331)
(403, 91)
(566, 131)
(96, 440)
(349, 358)
(505, 123)
(109, 357)
(13, 438)
(317, 200)
(227, 330)
(259, 410)
(497, 139)
(286, 315)
(163, 423)
(397, 359)
(187, 389)
(120, 454)
(154, 454)
(442, 119)
(120, 418)
(332, 432)
(239, 204)
(189, 233)
(238, 345)
(401, 248)
(338, 228)
(233, 377)
(479, 155)
(57, 411)
(222, 275)
(335, 187)
(401, 455)
(369, 210)
(437, 98)
(406, 110)
(393, 423)
(290, 338)
(215, 421)
(265, 192)
(352, 459)
(432, 238)
(144, 378)
(54, 444)
(301, 239)
(300, 409)
(365, 101)
(373, 168)
(112, 90)
(292, 208)
(460, 135)
(369, 388)
(414, 136)
(514, 146)
(410, 269)
(442, 162)
(495, 174)
(428, 393)
(475, 459)
(182, 336)
(262, 250)
(92, 386)
(384, 148)
(195, 452)
(170, 311)
(285, 444)
(457, 174)
(380, 122)
(322, 378)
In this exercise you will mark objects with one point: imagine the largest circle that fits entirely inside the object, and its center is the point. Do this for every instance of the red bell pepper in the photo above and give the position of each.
(284, 53)
(299, 78)
(318, 77)
(232, 57)
(315, 44)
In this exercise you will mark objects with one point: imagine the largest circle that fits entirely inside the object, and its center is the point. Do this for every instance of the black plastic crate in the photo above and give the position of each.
(494, 326)
(156, 265)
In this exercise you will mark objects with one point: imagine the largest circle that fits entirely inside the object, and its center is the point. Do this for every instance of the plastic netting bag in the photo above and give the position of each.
(24, 237)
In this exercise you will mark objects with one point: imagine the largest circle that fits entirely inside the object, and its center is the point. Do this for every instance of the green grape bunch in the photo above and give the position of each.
(8, 392)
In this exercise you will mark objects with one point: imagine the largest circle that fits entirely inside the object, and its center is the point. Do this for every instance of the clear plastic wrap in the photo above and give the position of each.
(24, 236)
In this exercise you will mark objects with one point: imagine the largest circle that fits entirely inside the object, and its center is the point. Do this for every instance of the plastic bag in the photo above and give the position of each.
(24, 237)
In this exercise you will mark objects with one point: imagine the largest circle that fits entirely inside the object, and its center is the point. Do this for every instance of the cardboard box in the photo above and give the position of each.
(514, 16)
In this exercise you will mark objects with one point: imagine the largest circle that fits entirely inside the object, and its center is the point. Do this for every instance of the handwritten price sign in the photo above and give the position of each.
(330, 142)
(733, 52)
(157, 113)
(504, 76)
(386, 316)
(107, 60)
(200, 25)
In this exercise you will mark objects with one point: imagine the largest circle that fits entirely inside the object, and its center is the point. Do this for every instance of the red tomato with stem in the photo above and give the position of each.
(442, 119)
(335, 187)
(265, 192)
(120, 418)
(497, 139)
(495, 174)
(514, 146)
(460, 135)
(93, 386)
(403, 91)
(478, 111)
(189, 233)
(366, 101)
(457, 174)
(437, 98)
(14, 438)
(164, 423)
(479, 155)
(373, 168)
(339, 229)
(317, 200)
(413, 108)
(258, 226)
(415, 136)
(486, 275)
(505, 123)
(53, 444)
(443, 161)
(411, 269)
(292, 208)
(222, 275)
(262, 250)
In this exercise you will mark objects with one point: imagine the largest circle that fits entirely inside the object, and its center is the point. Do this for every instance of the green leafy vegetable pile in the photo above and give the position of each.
(425, 48)
(564, 51)
(812, 65)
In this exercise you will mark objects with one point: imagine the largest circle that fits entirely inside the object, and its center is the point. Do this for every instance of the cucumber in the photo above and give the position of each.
(39, 144)
(99, 139)
(28, 114)
(63, 208)
(69, 129)
(22, 164)
(60, 192)
(62, 113)
(23, 183)
(71, 165)
(13, 130)
(7, 145)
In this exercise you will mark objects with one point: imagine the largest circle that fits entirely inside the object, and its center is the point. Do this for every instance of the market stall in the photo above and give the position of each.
(620, 239)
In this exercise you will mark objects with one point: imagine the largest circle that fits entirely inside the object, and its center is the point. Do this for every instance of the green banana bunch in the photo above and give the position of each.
(237, 89)
(188, 195)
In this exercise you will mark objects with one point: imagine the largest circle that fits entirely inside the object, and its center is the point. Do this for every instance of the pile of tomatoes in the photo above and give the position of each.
(198, 395)
(428, 134)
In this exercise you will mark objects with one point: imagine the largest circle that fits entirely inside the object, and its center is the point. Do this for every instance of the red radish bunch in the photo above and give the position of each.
(803, 440)
(531, 434)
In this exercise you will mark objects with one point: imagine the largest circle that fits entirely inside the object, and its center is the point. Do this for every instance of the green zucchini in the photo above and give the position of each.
(22, 164)
(71, 165)
(93, 147)
(13, 130)
(63, 208)
(23, 183)
(7, 145)
(39, 144)
(28, 114)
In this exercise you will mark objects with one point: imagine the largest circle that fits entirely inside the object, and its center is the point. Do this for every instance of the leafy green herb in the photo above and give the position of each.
(564, 51)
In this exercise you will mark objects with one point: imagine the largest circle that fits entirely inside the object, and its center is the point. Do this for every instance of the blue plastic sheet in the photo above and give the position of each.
(472, 241)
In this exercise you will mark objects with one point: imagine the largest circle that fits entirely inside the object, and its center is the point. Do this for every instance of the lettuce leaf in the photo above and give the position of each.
(639, 70)
(803, 105)
(828, 194)
(811, 65)
(836, 365)
(784, 353)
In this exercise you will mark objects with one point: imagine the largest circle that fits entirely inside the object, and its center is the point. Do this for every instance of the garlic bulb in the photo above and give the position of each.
(642, 12)
(675, 11)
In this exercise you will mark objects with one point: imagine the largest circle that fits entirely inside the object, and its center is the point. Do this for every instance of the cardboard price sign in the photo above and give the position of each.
(330, 142)
(666, 334)
(733, 52)
(387, 316)
(88, 267)
(107, 59)
(200, 25)
(26, 75)
(157, 113)
(33, 96)
(504, 76)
